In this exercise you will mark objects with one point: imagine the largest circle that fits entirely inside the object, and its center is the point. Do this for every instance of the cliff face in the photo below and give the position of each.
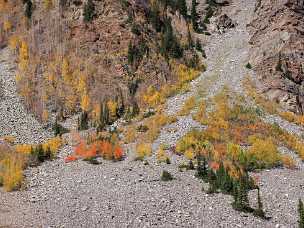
(278, 50)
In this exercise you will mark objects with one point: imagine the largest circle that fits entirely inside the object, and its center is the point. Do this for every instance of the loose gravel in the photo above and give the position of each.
(130, 193)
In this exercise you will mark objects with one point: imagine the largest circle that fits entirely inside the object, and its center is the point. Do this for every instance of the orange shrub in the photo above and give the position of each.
(118, 153)
(106, 150)
(80, 149)
(70, 158)
(288, 162)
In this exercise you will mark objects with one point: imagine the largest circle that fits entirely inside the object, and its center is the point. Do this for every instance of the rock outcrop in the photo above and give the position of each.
(278, 50)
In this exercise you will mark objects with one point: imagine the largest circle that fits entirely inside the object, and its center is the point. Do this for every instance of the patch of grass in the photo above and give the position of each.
(143, 150)
(188, 106)
(288, 162)
(162, 156)
(11, 168)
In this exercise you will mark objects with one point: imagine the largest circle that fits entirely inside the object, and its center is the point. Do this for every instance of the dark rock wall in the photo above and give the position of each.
(277, 52)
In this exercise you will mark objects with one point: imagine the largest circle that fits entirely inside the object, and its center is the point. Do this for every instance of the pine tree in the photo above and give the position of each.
(190, 41)
(28, 8)
(58, 129)
(201, 167)
(240, 195)
(259, 211)
(169, 45)
(198, 46)
(301, 214)
(194, 16)
(224, 181)
(83, 121)
(130, 53)
(182, 6)
(88, 11)
(104, 117)
(154, 17)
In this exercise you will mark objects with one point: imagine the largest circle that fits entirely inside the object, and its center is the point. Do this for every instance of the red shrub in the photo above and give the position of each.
(106, 150)
(70, 158)
(80, 149)
(118, 153)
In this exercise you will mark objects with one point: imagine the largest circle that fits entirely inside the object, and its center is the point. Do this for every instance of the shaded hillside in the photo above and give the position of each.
(77, 55)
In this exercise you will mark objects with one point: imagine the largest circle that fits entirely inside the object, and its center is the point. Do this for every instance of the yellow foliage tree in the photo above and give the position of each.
(23, 148)
(112, 106)
(264, 152)
(161, 155)
(53, 144)
(48, 4)
(12, 172)
(82, 84)
(13, 42)
(23, 56)
(66, 72)
(7, 26)
(85, 102)
(45, 115)
(152, 97)
(143, 150)
(18, 77)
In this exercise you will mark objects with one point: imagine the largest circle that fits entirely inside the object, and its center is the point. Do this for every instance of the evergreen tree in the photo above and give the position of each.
(198, 46)
(301, 214)
(259, 211)
(169, 45)
(104, 118)
(240, 195)
(88, 11)
(28, 8)
(190, 41)
(58, 129)
(201, 167)
(38, 153)
(182, 6)
(194, 16)
(224, 181)
(83, 121)
(130, 53)
(154, 17)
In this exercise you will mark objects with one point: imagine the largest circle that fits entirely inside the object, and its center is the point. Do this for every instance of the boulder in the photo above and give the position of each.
(224, 23)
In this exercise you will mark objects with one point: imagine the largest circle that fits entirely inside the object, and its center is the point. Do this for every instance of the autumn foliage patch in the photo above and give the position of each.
(104, 148)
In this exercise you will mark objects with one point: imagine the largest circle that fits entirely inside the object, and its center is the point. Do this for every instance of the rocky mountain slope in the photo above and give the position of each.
(14, 119)
(112, 50)
(129, 193)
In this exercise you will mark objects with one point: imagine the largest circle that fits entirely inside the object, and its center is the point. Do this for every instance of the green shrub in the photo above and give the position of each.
(166, 176)
(248, 66)
(59, 129)
(88, 11)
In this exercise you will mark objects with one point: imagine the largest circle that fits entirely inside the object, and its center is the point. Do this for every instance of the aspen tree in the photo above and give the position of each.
(85, 102)
(23, 56)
